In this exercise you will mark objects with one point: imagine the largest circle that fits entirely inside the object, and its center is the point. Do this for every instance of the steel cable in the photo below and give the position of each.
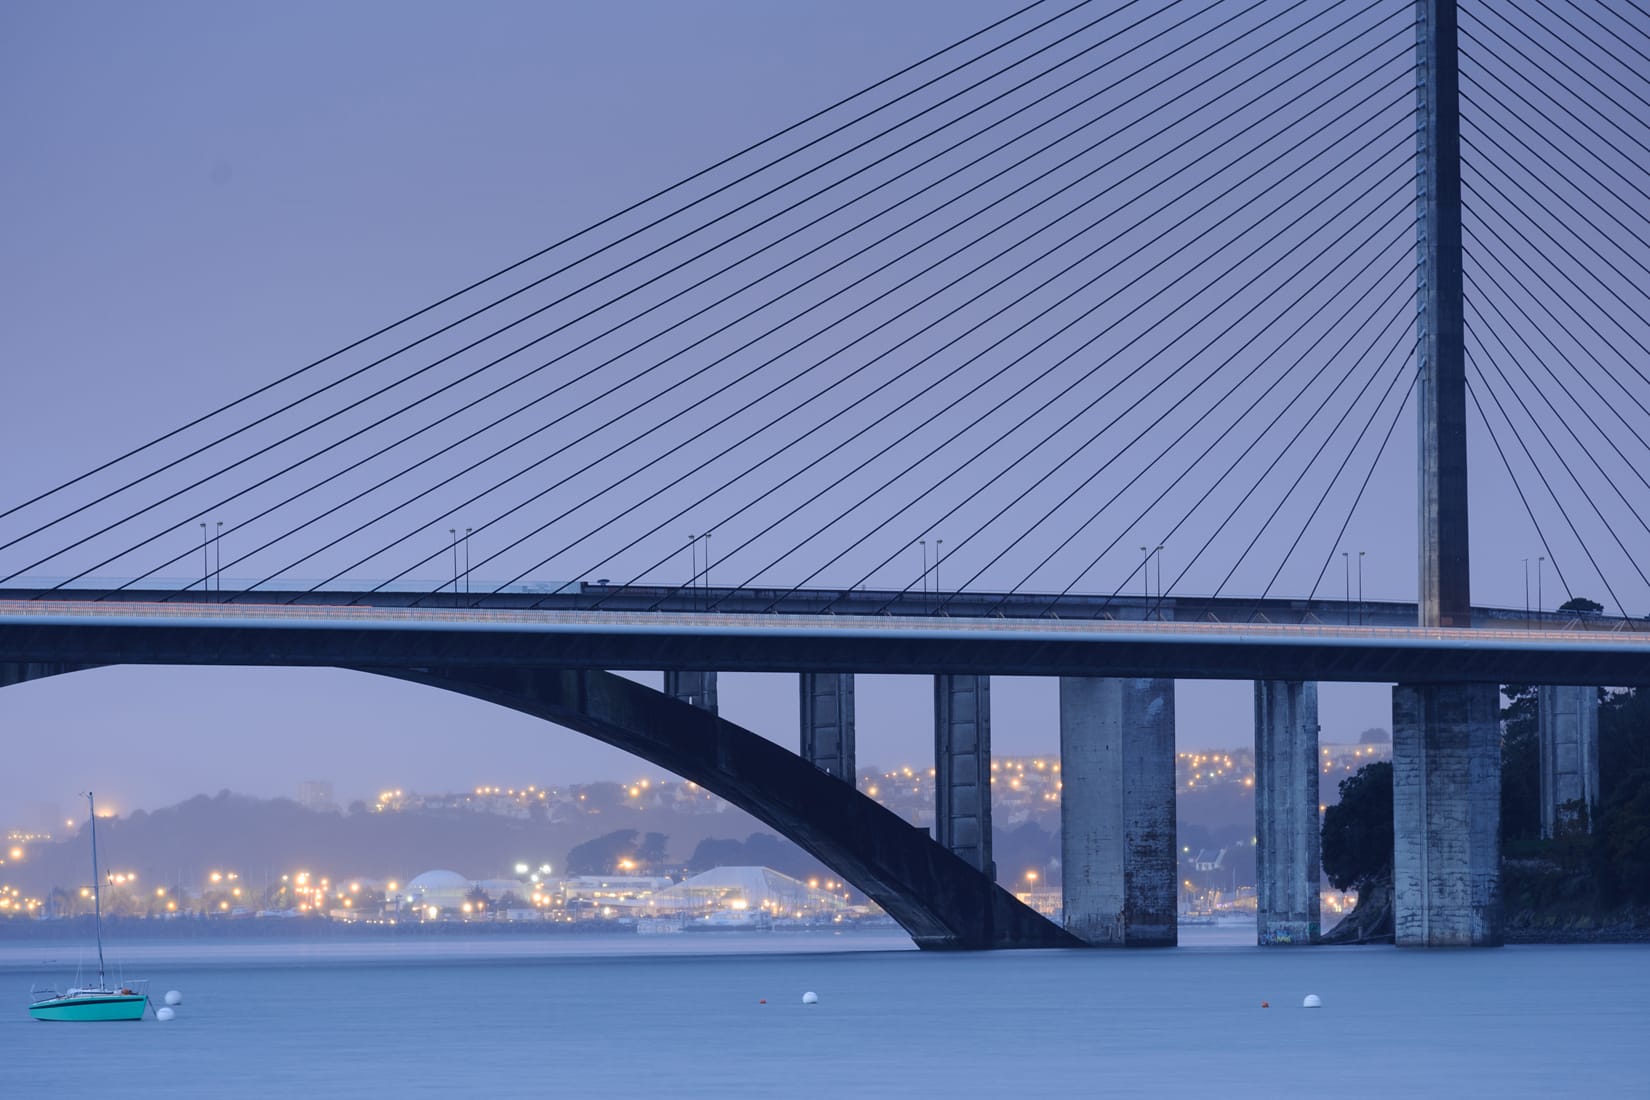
(659, 364)
(402, 380)
(597, 225)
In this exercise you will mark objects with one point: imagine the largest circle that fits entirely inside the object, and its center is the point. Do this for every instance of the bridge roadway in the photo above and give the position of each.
(1117, 660)
(341, 629)
(891, 603)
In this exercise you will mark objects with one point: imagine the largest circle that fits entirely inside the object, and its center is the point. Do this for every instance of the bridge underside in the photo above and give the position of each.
(936, 897)
(479, 640)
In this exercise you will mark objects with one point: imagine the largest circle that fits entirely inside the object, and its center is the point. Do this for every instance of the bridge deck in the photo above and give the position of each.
(174, 633)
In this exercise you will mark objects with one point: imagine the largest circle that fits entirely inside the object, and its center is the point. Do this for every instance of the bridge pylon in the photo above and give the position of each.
(1446, 755)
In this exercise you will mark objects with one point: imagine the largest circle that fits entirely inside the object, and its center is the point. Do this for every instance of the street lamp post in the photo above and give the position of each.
(1360, 587)
(1526, 593)
(205, 565)
(1346, 561)
(924, 544)
(693, 566)
(939, 556)
(1145, 582)
(1540, 604)
(217, 557)
(453, 534)
(1159, 553)
(467, 531)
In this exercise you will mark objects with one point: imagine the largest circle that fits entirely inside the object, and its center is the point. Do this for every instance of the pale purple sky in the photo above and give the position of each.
(202, 196)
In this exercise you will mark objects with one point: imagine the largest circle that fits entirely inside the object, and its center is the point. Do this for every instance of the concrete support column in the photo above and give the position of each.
(21, 672)
(828, 723)
(695, 688)
(1446, 811)
(1567, 720)
(1287, 829)
(1117, 813)
(962, 768)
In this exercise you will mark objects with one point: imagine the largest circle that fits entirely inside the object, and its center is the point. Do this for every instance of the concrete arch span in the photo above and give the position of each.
(941, 901)
(936, 897)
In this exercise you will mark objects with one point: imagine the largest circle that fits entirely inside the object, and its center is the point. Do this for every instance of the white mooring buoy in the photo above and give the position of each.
(1312, 1001)
(164, 1014)
(810, 998)
(174, 998)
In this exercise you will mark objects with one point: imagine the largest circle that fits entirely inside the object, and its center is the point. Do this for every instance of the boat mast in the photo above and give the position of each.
(97, 895)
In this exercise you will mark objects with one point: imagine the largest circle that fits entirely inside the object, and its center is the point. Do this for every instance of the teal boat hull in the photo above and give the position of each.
(91, 1009)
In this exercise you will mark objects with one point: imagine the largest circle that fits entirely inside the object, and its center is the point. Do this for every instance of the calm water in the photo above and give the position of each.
(677, 1016)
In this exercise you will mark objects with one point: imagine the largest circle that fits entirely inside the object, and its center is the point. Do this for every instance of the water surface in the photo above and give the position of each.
(680, 1016)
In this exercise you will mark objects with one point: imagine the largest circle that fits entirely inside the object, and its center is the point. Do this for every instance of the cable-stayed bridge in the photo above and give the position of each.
(961, 361)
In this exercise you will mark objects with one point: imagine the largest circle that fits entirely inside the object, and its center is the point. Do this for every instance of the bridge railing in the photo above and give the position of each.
(703, 622)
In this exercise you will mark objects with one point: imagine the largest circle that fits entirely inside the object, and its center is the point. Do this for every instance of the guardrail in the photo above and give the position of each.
(235, 614)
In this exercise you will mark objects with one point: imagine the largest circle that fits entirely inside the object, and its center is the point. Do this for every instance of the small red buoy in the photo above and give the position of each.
(763, 1001)
(1265, 1004)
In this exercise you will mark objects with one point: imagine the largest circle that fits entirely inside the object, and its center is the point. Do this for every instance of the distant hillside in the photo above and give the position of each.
(263, 839)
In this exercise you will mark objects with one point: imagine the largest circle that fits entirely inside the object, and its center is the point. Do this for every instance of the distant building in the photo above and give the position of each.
(603, 895)
(316, 794)
(438, 890)
(757, 889)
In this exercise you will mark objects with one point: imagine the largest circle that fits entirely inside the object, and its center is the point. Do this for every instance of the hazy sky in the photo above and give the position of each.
(202, 196)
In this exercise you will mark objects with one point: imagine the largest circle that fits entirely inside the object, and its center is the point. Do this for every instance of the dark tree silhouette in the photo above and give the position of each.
(601, 856)
(1357, 831)
(651, 851)
(1520, 764)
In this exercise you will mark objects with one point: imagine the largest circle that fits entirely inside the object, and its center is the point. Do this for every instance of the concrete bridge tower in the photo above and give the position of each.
(1446, 743)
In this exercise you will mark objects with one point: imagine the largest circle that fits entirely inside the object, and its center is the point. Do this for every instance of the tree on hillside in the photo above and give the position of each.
(1621, 841)
(756, 850)
(1581, 604)
(651, 851)
(1027, 847)
(1520, 764)
(602, 797)
(717, 851)
(1357, 831)
(601, 856)
(1623, 739)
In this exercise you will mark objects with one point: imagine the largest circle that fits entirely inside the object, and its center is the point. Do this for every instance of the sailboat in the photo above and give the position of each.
(91, 1002)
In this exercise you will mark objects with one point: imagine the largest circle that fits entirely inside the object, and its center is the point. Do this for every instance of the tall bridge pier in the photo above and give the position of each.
(1446, 812)
(695, 688)
(827, 704)
(1567, 725)
(1117, 811)
(1446, 748)
(1287, 833)
(962, 768)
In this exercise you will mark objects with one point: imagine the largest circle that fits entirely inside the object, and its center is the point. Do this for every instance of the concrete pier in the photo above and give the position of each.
(828, 723)
(694, 688)
(1446, 810)
(1567, 722)
(1287, 827)
(1117, 811)
(962, 768)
